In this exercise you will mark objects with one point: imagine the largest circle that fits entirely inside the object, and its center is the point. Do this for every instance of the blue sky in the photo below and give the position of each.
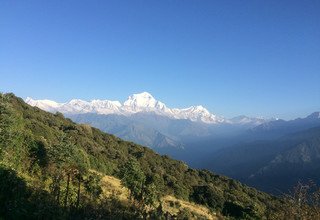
(259, 58)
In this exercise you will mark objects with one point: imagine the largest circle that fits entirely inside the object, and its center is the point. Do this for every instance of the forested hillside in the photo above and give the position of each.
(51, 168)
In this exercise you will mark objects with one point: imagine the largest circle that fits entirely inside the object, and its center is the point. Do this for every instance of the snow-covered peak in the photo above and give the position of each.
(141, 102)
(76, 106)
(106, 103)
(198, 113)
(44, 104)
(142, 95)
(144, 100)
(78, 102)
(29, 100)
(106, 107)
(199, 109)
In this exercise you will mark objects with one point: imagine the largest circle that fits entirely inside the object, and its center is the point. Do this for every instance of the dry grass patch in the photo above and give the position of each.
(174, 205)
(111, 186)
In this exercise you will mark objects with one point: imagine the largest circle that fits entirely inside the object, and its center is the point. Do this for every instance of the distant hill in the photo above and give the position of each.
(129, 129)
(278, 128)
(273, 165)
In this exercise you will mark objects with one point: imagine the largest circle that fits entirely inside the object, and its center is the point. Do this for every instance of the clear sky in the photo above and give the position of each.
(258, 58)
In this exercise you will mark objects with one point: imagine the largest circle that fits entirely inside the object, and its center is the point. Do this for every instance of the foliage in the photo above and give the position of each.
(206, 195)
(13, 190)
(303, 202)
(93, 186)
(142, 190)
(133, 178)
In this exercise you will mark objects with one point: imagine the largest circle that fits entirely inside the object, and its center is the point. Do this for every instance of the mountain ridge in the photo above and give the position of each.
(273, 166)
(278, 128)
(136, 103)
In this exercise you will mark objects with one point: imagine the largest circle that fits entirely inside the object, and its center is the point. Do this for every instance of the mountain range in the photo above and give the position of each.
(278, 128)
(147, 121)
(137, 103)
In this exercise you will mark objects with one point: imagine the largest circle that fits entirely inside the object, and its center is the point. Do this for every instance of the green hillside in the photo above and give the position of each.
(51, 168)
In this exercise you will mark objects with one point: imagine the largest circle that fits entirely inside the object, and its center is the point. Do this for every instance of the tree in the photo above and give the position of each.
(142, 191)
(208, 196)
(13, 194)
(133, 178)
(60, 154)
(60, 158)
(150, 195)
(93, 186)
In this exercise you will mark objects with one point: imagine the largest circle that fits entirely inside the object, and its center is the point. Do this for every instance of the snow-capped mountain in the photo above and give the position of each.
(142, 102)
(198, 113)
(145, 102)
(44, 104)
(147, 121)
(78, 106)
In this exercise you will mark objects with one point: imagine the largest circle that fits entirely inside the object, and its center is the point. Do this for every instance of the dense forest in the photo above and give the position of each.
(51, 168)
